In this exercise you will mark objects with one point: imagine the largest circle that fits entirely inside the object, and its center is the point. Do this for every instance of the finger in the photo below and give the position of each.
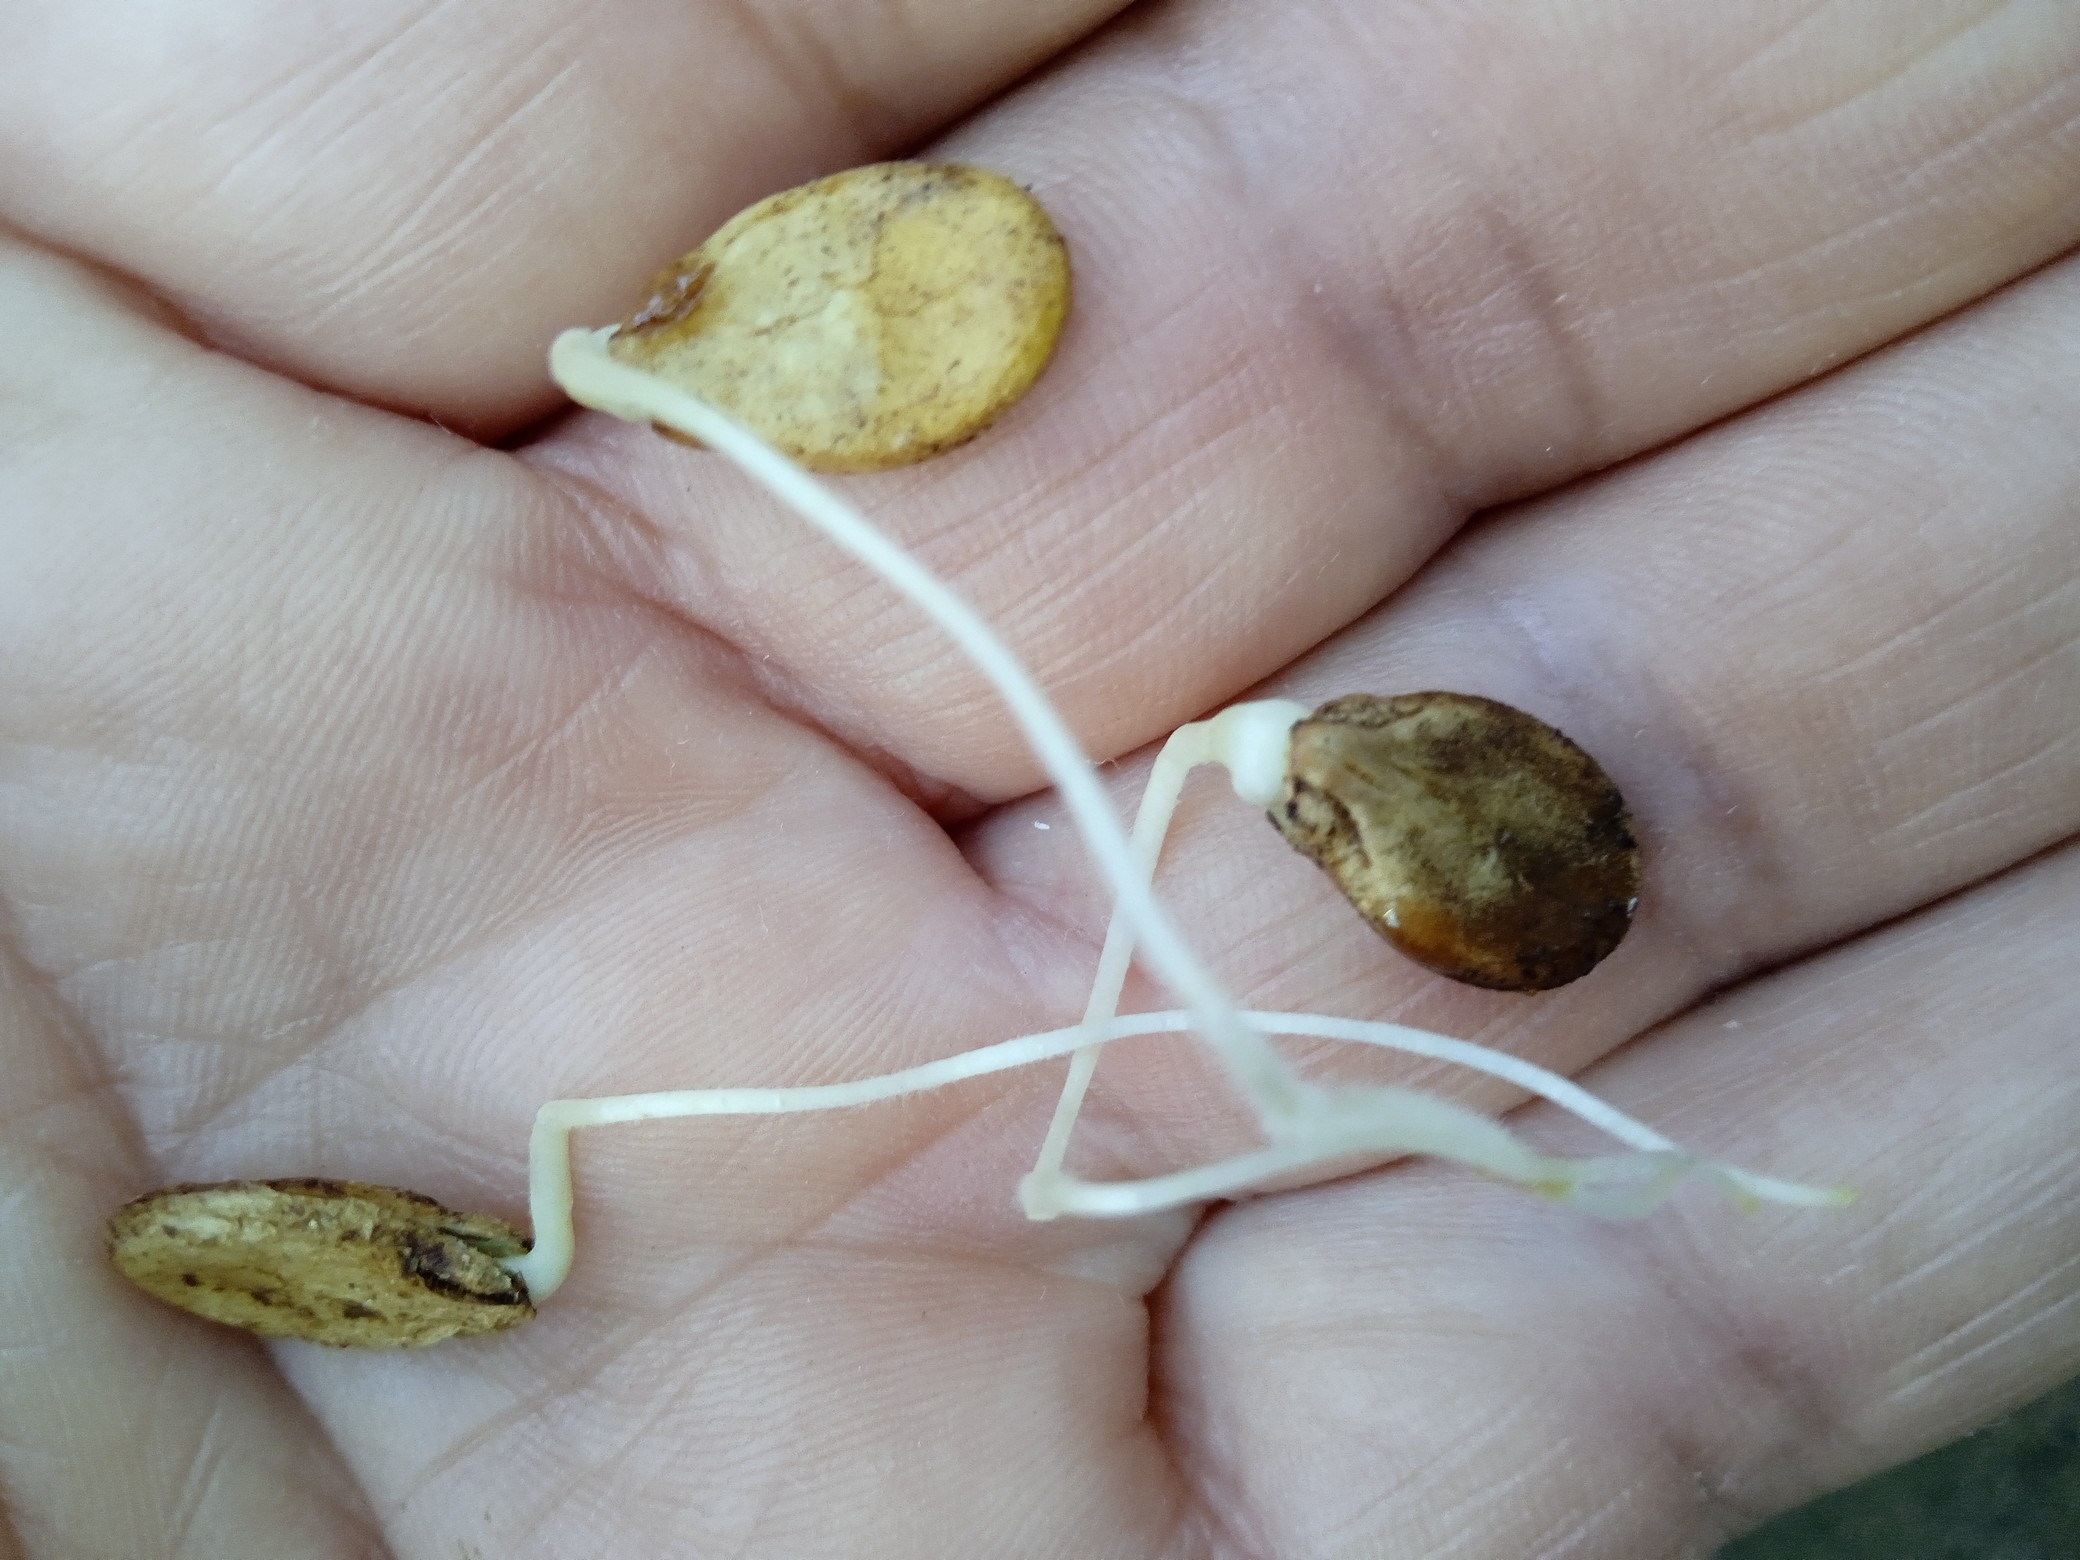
(1834, 642)
(1465, 257)
(1828, 650)
(405, 201)
(1413, 1349)
(125, 1438)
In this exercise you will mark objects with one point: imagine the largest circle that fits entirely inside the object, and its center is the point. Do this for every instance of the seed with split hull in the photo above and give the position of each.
(338, 1262)
(1477, 840)
(867, 320)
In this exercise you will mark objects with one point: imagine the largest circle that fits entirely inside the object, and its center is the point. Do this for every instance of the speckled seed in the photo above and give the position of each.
(1477, 840)
(337, 1262)
(867, 320)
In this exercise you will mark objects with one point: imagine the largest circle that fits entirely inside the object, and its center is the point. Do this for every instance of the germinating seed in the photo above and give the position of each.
(338, 1262)
(867, 320)
(1477, 840)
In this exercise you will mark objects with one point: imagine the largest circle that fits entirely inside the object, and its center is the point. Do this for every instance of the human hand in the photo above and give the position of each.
(362, 786)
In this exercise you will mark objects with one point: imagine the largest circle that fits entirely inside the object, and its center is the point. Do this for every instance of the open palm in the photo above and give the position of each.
(378, 761)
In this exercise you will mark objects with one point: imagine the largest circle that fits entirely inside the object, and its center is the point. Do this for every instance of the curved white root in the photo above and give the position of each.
(591, 376)
(1381, 1122)
(1306, 1124)
(1250, 741)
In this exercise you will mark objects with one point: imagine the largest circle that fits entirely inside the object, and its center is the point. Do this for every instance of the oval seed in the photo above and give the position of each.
(1476, 839)
(338, 1262)
(866, 320)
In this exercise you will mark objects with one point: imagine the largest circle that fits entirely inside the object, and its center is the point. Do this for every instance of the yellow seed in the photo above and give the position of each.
(1476, 839)
(866, 320)
(338, 1262)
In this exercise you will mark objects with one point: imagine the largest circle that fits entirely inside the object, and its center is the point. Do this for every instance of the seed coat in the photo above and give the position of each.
(335, 1262)
(866, 320)
(1475, 838)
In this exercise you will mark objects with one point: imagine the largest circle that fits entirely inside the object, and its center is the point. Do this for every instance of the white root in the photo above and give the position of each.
(591, 376)
(1377, 1121)
(1306, 1124)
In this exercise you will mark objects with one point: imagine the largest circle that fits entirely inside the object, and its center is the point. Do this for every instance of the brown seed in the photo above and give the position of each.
(338, 1262)
(867, 320)
(1477, 840)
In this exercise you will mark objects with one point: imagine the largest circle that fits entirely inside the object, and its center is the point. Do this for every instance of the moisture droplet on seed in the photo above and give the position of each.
(867, 320)
(338, 1262)
(1477, 840)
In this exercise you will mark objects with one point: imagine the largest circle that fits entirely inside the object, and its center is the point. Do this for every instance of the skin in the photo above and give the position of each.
(378, 759)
